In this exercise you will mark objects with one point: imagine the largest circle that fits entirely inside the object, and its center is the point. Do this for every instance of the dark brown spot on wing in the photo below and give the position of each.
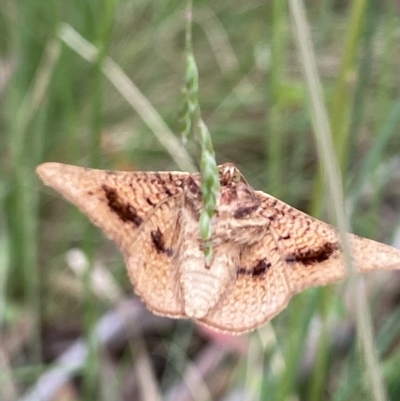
(166, 184)
(150, 202)
(259, 269)
(192, 186)
(243, 211)
(167, 191)
(125, 211)
(159, 243)
(310, 256)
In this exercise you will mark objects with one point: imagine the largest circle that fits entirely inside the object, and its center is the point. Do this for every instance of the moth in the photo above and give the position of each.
(264, 251)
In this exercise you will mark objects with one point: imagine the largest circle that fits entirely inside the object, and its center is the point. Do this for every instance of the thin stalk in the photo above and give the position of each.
(325, 147)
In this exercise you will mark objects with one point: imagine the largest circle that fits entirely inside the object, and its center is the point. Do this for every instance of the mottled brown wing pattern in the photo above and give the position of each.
(311, 248)
(148, 259)
(116, 201)
(261, 290)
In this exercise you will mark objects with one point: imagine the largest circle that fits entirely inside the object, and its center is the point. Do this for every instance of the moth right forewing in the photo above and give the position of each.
(309, 248)
(149, 259)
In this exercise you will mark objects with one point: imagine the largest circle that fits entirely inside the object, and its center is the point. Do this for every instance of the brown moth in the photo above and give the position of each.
(264, 251)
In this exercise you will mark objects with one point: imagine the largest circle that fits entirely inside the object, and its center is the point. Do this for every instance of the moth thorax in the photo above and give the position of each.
(192, 196)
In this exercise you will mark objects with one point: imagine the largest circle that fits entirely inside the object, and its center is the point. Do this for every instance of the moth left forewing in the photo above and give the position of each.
(260, 292)
(116, 201)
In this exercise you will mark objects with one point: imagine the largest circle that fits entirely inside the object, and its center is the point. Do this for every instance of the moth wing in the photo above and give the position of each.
(260, 292)
(116, 201)
(148, 260)
(300, 252)
(311, 248)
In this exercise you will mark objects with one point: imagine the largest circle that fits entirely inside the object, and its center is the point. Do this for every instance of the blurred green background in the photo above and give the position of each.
(63, 101)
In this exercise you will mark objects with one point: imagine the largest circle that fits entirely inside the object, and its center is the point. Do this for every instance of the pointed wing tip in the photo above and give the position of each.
(48, 170)
(64, 178)
(57, 174)
(372, 255)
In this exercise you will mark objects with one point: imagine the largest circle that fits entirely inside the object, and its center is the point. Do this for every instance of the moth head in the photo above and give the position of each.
(230, 175)
(237, 197)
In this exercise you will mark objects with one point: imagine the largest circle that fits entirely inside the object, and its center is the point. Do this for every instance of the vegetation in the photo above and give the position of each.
(98, 83)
